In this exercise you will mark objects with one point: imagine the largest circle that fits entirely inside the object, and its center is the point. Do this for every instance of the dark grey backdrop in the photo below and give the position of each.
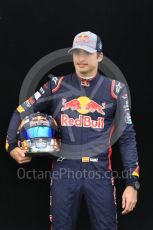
(31, 29)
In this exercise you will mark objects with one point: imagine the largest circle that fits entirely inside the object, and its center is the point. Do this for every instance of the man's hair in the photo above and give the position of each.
(98, 54)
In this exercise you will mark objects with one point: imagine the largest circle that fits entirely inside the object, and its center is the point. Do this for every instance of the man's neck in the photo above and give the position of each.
(87, 76)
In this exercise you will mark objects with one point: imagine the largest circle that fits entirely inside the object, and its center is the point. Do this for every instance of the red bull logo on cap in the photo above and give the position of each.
(83, 105)
(83, 38)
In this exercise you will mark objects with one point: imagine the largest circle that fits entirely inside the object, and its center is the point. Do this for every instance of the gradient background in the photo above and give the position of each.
(31, 29)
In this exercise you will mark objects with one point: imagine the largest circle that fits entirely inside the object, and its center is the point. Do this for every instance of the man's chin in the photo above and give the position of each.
(83, 71)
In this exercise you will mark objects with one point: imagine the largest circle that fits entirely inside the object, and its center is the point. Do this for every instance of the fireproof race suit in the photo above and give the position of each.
(90, 114)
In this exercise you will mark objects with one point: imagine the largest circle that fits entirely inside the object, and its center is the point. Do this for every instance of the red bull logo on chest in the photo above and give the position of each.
(82, 121)
(83, 105)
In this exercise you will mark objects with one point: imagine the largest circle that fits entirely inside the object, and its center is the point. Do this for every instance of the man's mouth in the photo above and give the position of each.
(82, 64)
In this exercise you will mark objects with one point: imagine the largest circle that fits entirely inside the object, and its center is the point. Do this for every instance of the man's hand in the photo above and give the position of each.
(19, 155)
(129, 199)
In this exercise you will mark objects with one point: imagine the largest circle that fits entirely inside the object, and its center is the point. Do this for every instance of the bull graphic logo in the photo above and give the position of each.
(92, 106)
(83, 105)
(73, 105)
(83, 38)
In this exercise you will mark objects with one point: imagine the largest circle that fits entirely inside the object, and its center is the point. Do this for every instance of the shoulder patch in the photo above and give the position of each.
(116, 87)
(56, 83)
(20, 109)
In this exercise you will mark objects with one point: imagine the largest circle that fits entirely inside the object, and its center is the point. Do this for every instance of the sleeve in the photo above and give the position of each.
(127, 136)
(40, 101)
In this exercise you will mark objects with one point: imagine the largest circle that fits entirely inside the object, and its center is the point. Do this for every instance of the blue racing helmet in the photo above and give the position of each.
(39, 135)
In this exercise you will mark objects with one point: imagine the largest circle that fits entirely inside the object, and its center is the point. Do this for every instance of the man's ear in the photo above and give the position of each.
(100, 56)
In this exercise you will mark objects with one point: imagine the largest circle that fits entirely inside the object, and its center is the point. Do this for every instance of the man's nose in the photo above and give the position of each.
(81, 57)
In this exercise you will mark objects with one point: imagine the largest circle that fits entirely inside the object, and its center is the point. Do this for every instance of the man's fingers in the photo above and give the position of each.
(24, 161)
(133, 204)
(21, 152)
(25, 158)
(125, 211)
(127, 208)
(129, 199)
(20, 155)
(22, 158)
(123, 202)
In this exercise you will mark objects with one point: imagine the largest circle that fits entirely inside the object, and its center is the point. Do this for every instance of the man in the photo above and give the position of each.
(88, 108)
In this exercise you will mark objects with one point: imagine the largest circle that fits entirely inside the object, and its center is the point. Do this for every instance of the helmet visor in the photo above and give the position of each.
(39, 131)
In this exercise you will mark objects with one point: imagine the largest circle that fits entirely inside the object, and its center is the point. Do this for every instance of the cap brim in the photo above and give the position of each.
(86, 48)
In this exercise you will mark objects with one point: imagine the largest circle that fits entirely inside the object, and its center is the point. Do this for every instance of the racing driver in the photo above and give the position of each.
(91, 110)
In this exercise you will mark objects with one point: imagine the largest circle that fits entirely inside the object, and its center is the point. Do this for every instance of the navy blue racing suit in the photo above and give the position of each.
(92, 115)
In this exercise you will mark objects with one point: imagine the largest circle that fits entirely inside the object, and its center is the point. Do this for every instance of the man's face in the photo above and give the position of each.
(86, 63)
